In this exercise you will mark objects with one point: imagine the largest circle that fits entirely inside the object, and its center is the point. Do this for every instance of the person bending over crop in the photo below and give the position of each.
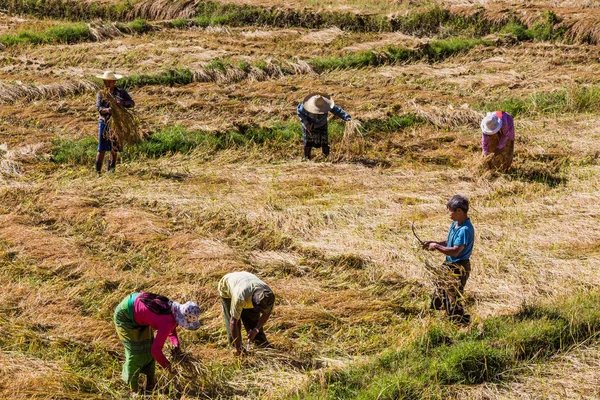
(104, 141)
(135, 317)
(498, 139)
(248, 300)
(313, 112)
(456, 268)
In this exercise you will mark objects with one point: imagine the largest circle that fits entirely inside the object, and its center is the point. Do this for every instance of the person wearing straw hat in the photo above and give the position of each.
(245, 299)
(498, 139)
(102, 105)
(134, 319)
(313, 113)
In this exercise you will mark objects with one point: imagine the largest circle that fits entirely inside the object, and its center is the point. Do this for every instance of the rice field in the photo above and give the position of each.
(217, 185)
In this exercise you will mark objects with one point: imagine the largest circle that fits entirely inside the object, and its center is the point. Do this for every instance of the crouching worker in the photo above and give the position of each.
(105, 142)
(498, 139)
(458, 246)
(248, 300)
(313, 113)
(135, 317)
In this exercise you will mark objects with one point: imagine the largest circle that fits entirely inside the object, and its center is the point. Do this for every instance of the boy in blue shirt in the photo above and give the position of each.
(457, 248)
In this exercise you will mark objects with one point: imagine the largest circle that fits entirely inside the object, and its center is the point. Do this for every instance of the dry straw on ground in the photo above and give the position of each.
(100, 31)
(124, 126)
(165, 9)
(12, 93)
(449, 116)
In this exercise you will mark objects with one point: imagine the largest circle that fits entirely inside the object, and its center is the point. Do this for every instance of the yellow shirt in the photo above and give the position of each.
(239, 286)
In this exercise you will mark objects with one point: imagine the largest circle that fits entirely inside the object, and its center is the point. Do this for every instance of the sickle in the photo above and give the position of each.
(415, 233)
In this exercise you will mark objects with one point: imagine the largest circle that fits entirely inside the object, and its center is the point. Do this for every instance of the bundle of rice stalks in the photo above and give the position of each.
(100, 32)
(190, 376)
(441, 275)
(11, 160)
(585, 30)
(164, 9)
(300, 67)
(8, 166)
(123, 125)
(353, 143)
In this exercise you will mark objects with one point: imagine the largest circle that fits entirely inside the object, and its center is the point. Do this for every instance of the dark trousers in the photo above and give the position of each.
(308, 150)
(448, 293)
(250, 317)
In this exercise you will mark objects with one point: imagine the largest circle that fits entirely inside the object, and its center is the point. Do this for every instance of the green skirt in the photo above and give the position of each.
(137, 340)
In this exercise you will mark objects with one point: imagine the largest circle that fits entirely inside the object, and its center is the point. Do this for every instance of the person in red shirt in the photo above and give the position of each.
(135, 317)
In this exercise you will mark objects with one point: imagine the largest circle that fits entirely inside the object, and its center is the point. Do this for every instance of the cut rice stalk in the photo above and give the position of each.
(124, 125)
(352, 144)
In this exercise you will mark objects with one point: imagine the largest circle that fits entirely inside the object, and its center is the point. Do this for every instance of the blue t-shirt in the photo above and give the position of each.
(463, 235)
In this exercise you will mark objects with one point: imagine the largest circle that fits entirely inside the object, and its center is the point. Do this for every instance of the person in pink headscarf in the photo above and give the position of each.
(135, 318)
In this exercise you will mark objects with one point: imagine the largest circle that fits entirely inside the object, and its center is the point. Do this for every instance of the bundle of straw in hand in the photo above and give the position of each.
(352, 144)
(123, 125)
(186, 365)
(188, 375)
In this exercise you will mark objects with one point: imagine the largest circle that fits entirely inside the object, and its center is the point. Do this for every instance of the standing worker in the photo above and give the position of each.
(135, 317)
(245, 297)
(313, 113)
(104, 141)
(498, 139)
(456, 269)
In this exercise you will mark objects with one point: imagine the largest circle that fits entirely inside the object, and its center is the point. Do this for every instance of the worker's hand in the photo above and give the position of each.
(432, 246)
(241, 351)
(169, 369)
(425, 244)
(252, 334)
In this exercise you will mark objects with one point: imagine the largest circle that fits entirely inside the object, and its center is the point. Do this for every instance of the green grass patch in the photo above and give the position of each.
(277, 136)
(436, 50)
(575, 99)
(140, 26)
(178, 76)
(71, 33)
(547, 30)
(447, 356)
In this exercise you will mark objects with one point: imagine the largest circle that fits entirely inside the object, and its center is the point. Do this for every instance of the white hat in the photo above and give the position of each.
(491, 124)
(316, 103)
(187, 315)
(109, 76)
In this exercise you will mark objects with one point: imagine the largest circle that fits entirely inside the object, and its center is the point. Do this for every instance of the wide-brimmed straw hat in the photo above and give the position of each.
(318, 103)
(109, 76)
(491, 124)
(187, 315)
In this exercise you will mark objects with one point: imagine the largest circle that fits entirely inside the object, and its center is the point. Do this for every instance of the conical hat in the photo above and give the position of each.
(318, 103)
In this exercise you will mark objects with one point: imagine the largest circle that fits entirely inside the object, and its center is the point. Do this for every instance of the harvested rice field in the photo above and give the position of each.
(217, 185)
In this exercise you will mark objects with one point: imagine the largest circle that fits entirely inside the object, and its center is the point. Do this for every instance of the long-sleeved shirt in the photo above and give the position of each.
(319, 120)
(165, 326)
(239, 287)
(507, 132)
(314, 126)
(120, 95)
